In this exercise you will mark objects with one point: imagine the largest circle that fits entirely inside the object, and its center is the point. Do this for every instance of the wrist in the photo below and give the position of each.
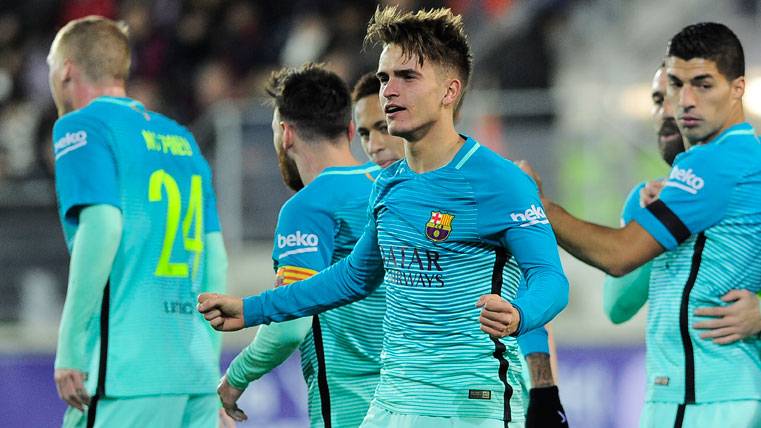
(545, 392)
(235, 380)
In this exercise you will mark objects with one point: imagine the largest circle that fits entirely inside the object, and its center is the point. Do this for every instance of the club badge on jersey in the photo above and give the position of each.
(439, 226)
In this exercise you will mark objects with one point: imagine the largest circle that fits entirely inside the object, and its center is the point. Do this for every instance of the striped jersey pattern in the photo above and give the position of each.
(340, 356)
(438, 261)
(114, 151)
(709, 219)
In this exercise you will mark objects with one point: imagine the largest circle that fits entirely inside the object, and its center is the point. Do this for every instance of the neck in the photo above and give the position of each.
(317, 156)
(436, 149)
(735, 118)
(87, 93)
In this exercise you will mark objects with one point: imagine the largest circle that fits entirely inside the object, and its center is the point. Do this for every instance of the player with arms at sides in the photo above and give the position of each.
(624, 296)
(705, 223)
(139, 217)
(452, 227)
(317, 226)
(385, 149)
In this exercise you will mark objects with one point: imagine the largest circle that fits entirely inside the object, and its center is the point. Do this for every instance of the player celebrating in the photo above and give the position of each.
(624, 296)
(139, 216)
(706, 219)
(452, 227)
(384, 149)
(318, 226)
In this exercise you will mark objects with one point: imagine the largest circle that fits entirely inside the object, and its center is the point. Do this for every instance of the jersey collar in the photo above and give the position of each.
(365, 168)
(123, 101)
(458, 161)
(743, 128)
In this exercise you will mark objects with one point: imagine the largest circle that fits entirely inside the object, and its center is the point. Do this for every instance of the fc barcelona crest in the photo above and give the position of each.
(439, 226)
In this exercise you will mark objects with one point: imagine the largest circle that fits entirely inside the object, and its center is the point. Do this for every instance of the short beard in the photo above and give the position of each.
(289, 172)
(670, 149)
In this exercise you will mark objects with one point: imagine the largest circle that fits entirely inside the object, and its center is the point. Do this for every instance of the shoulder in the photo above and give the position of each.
(305, 204)
(487, 171)
(730, 159)
(171, 124)
(85, 118)
(79, 129)
(383, 176)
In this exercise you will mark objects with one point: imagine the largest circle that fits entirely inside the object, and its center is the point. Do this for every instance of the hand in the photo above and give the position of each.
(498, 317)
(650, 192)
(545, 409)
(528, 169)
(70, 384)
(225, 421)
(229, 396)
(224, 313)
(734, 322)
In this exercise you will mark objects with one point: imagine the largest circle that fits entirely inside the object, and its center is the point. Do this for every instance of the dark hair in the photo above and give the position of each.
(316, 101)
(436, 35)
(367, 85)
(711, 41)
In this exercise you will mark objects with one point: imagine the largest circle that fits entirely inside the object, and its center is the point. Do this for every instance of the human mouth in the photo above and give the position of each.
(391, 109)
(669, 131)
(689, 121)
(386, 163)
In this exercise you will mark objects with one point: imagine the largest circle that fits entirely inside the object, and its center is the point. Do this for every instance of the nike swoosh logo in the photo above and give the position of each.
(562, 417)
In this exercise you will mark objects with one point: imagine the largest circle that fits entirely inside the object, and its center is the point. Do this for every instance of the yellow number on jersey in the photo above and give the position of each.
(161, 179)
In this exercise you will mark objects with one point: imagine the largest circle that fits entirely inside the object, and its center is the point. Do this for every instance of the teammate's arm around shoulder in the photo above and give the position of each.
(616, 251)
(95, 245)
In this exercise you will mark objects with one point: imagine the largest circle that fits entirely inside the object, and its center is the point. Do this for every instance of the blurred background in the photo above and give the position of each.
(562, 83)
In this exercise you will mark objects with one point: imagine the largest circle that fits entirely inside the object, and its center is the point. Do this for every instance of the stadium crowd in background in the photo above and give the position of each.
(187, 55)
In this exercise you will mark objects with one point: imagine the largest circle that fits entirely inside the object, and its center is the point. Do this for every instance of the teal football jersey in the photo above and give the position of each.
(340, 356)
(147, 338)
(708, 217)
(438, 241)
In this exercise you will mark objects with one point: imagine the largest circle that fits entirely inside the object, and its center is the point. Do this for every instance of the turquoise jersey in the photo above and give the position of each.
(147, 339)
(438, 241)
(708, 218)
(340, 356)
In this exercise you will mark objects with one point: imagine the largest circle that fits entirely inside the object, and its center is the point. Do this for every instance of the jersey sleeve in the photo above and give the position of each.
(85, 166)
(304, 237)
(695, 196)
(624, 296)
(632, 204)
(351, 279)
(511, 216)
(536, 340)
(211, 214)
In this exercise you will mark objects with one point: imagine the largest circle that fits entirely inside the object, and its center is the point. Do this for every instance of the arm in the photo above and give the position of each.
(616, 251)
(623, 297)
(535, 250)
(545, 409)
(215, 274)
(525, 234)
(349, 280)
(272, 345)
(95, 245)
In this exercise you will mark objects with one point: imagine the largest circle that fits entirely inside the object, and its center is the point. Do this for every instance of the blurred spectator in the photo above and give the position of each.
(188, 55)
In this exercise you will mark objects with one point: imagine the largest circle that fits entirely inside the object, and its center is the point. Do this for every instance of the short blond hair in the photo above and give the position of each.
(97, 44)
